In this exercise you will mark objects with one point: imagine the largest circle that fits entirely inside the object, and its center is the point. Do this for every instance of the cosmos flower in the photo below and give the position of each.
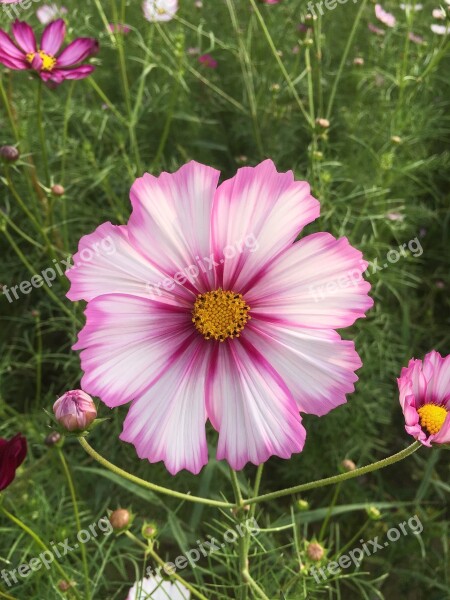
(416, 39)
(49, 12)
(12, 455)
(45, 59)
(440, 29)
(75, 410)
(385, 17)
(375, 29)
(439, 13)
(414, 7)
(425, 398)
(208, 310)
(208, 61)
(160, 10)
(155, 588)
(119, 28)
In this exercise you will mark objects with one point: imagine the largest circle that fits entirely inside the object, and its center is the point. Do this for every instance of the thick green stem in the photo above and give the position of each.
(146, 484)
(41, 544)
(87, 581)
(381, 464)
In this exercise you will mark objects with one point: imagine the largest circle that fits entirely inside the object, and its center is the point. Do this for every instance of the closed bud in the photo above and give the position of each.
(52, 439)
(120, 519)
(358, 61)
(315, 551)
(149, 530)
(9, 153)
(65, 586)
(58, 190)
(302, 504)
(373, 513)
(396, 139)
(348, 465)
(75, 410)
(325, 123)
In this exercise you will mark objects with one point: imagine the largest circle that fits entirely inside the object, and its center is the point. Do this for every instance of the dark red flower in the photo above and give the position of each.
(12, 455)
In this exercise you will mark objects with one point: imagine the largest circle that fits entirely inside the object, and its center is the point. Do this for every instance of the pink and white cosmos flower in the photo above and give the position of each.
(160, 10)
(156, 588)
(386, 18)
(425, 398)
(188, 330)
(45, 59)
(49, 12)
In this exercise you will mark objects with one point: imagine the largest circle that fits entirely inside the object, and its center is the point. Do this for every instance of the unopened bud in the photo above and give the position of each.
(302, 504)
(325, 123)
(315, 551)
(373, 513)
(149, 530)
(75, 410)
(9, 153)
(358, 61)
(52, 439)
(65, 586)
(58, 190)
(396, 139)
(348, 465)
(120, 519)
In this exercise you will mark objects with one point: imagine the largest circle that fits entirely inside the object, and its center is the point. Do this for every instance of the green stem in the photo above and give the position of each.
(255, 587)
(236, 487)
(381, 464)
(146, 484)
(105, 99)
(38, 359)
(329, 511)
(77, 521)
(41, 544)
(40, 122)
(344, 57)
(9, 110)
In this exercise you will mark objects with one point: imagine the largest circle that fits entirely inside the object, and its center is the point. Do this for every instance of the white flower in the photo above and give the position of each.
(415, 7)
(160, 10)
(155, 588)
(49, 12)
(440, 29)
(438, 13)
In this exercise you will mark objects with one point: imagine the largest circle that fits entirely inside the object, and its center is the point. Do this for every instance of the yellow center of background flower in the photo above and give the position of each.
(48, 61)
(220, 314)
(432, 417)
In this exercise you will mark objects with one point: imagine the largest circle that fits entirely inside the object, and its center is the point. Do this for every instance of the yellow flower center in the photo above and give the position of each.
(220, 314)
(48, 61)
(432, 417)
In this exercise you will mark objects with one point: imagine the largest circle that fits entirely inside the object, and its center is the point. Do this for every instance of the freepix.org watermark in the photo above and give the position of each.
(13, 11)
(203, 265)
(319, 8)
(356, 556)
(354, 276)
(56, 551)
(206, 548)
(48, 276)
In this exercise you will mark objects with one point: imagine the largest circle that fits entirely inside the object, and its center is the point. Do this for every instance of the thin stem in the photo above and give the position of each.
(40, 543)
(9, 110)
(7, 596)
(38, 359)
(41, 132)
(77, 521)
(146, 484)
(381, 464)
(105, 99)
(344, 57)
(329, 511)
(255, 587)
(236, 487)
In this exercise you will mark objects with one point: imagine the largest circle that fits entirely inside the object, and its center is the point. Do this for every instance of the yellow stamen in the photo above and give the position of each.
(220, 314)
(48, 61)
(432, 417)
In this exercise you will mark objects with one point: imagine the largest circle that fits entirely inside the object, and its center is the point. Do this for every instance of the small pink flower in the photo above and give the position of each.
(75, 410)
(416, 39)
(440, 29)
(45, 59)
(271, 1)
(49, 12)
(375, 29)
(119, 28)
(425, 398)
(385, 17)
(208, 61)
(439, 13)
(209, 310)
(160, 10)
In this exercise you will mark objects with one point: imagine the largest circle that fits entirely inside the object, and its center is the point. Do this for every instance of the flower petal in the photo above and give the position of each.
(315, 283)
(53, 37)
(60, 75)
(106, 263)
(263, 205)
(317, 366)
(24, 36)
(170, 222)
(8, 48)
(77, 51)
(250, 406)
(126, 343)
(168, 422)
(13, 63)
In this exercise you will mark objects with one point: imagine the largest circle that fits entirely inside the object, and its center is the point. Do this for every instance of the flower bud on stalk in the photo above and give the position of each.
(58, 190)
(315, 551)
(9, 153)
(75, 410)
(120, 519)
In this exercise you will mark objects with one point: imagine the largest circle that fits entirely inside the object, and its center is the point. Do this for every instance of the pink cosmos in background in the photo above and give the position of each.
(49, 12)
(247, 342)
(425, 398)
(440, 29)
(375, 29)
(160, 10)
(45, 59)
(208, 61)
(119, 28)
(416, 39)
(385, 17)
(155, 588)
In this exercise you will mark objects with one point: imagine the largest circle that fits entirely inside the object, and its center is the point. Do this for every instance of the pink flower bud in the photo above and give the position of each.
(75, 410)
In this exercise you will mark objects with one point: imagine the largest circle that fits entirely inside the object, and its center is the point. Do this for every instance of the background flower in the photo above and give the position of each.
(155, 588)
(160, 10)
(12, 455)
